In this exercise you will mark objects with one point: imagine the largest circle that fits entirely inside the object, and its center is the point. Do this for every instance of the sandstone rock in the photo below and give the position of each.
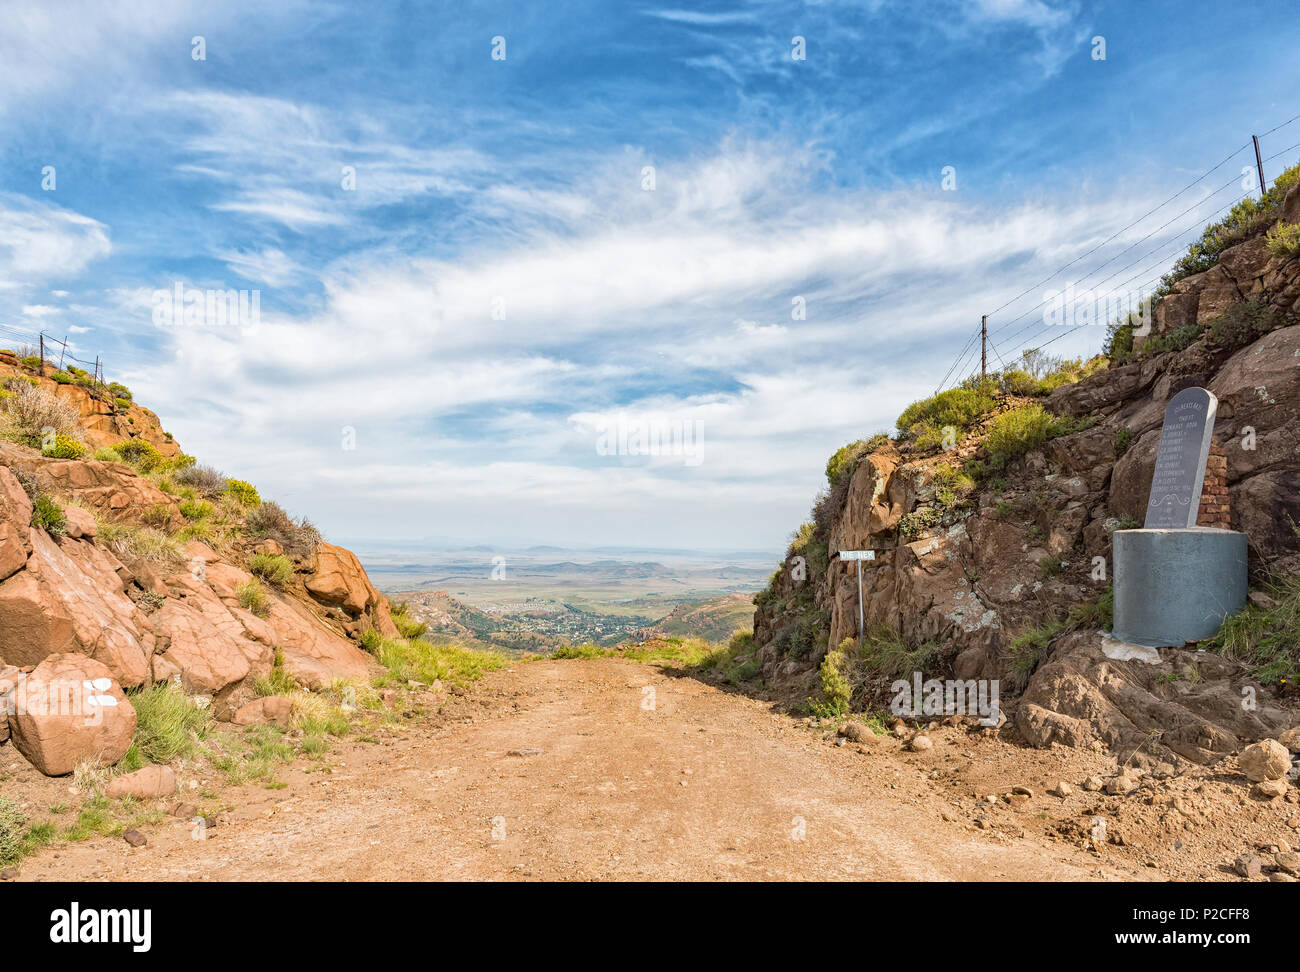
(81, 523)
(1288, 862)
(186, 811)
(143, 784)
(1063, 789)
(209, 656)
(313, 654)
(1290, 738)
(1291, 206)
(1269, 789)
(108, 488)
(1245, 264)
(1093, 783)
(1265, 760)
(1218, 293)
(15, 517)
(70, 599)
(338, 578)
(1249, 866)
(275, 710)
(1080, 697)
(858, 733)
(920, 744)
(135, 838)
(1121, 785)
(1279, 877)
(65, 717)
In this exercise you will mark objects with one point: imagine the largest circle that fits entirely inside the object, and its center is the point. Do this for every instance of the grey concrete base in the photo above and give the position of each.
(1175, 586)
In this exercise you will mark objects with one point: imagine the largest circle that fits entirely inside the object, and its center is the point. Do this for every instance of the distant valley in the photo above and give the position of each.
(547, 597)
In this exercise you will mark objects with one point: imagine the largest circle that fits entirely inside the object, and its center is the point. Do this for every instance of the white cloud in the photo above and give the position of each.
(40, 241)
(459, 414)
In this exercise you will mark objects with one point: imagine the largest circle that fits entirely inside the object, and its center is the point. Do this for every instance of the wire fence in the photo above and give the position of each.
(1152, 265)
(52, 350)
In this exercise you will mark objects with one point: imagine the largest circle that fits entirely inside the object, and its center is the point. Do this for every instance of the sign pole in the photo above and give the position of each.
(861, 626)
(859, 556)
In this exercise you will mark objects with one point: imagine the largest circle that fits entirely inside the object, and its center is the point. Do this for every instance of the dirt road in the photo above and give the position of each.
(597, 769)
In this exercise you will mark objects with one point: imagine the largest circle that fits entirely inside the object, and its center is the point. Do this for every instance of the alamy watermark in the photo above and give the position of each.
(182, 306)
(946, 697)
(651, 435)
(86, 698)
(1079, 308)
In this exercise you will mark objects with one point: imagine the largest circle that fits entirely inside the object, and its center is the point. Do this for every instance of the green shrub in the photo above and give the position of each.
(204, 480)
(64, 448)
(1243, 323)
(1245, 218)
(1014, 433)
(1267, 638)
(122, 404)
(1178, 339)
(846, 459)
(835, 689)
(917, 522)
(927, 437)
(408, 626)
(276, 569)
(62, 377)
(143, 455)
(1284, 239)
(118, 390)
(1017, 382)
(49, 516)
(196, 509)
(296, 537)
(32, 362)
(253, 598)
(1123, 439)
(958, 407)
(244, 492)
(169, 725)
(371, 640)
(13, 828)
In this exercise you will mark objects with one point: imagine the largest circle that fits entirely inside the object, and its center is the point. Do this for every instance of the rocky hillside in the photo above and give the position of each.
(123, 561)
(993, 554)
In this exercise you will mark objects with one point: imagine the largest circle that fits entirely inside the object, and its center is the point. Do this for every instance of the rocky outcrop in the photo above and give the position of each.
(109, 489)
(337, 578)
(70, 710)
(103, 420)
(311, 653)
(960, 581)
(71, 598)
(67, 600)
(1188, 706)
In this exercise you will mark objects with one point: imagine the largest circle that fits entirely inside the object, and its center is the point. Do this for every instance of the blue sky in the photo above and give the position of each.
(501, 285)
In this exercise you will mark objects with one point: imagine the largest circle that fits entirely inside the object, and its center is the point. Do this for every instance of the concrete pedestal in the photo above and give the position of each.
(1175, 586)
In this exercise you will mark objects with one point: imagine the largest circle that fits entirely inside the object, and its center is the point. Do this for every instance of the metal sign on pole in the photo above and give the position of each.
(859, 556)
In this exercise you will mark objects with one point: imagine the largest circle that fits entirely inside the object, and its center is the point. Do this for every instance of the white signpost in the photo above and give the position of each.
(859, 556)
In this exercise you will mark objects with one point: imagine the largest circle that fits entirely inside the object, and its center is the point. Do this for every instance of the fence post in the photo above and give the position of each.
(42, 340)
(984, 351)
(1259, 166)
